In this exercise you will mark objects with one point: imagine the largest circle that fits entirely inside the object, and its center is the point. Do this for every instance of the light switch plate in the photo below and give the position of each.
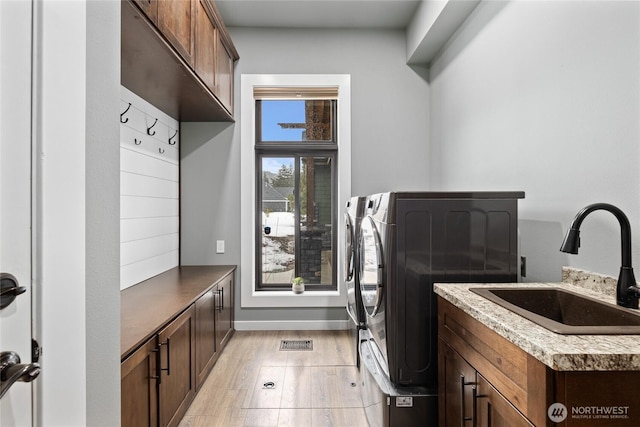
(220, 246)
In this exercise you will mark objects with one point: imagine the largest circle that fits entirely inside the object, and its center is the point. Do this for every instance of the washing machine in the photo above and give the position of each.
(354, 211)
(411, 240)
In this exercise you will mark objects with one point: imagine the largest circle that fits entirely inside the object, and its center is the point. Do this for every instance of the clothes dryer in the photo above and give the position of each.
(411, 240)
(354, 211)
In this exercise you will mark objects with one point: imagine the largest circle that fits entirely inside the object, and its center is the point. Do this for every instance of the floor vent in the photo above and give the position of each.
(296, 345)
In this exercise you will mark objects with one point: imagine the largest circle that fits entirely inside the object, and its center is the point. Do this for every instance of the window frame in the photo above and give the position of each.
(249, 295)
(297, 150)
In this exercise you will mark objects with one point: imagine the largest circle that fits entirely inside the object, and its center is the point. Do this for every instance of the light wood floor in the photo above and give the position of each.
(312, 388)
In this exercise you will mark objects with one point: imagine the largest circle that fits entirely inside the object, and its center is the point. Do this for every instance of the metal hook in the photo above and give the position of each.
(174, 135)
(161, 150)
(137, 141)
(150, 127)
(125, 112)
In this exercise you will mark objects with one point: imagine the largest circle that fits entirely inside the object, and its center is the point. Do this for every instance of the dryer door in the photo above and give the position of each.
(370, 267)
(349, 270)
(349, 248)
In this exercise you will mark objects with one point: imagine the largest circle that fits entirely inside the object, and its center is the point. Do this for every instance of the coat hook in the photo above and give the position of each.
(174, 142)
(125, 112)
(137, 141)
(150, 127)
(161, 150)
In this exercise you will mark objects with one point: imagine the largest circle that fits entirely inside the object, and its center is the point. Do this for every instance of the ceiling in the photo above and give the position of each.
(386, 14)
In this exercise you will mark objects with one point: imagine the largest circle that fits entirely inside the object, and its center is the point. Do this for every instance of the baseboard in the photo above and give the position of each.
(291, 325)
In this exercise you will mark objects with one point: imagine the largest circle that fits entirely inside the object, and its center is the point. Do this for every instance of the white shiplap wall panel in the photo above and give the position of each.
(149, 191)
(140, 250)
(147, 207)
(132, 184)
(135, 273)
(145, 228)
(136, 162)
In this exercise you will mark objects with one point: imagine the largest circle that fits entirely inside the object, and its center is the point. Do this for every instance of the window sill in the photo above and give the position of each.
(277, 299)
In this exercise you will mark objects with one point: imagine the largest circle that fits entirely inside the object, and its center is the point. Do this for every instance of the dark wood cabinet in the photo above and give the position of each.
(509, 387)
(139, 387)
(177, 368)
(174, 327)
(213, 59)
(205, 336)
(494, 410)
(224, 75)
(205, 55)
(459, 388)
(176, 21)
(214, 326)
(150, 9)
(224, 311)
(178, 55)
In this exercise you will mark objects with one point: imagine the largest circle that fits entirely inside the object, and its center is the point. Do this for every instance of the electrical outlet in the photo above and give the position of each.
(220, 246)
(523, 266)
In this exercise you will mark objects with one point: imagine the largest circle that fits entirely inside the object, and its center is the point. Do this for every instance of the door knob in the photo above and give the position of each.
(11, 371)
(9, 289)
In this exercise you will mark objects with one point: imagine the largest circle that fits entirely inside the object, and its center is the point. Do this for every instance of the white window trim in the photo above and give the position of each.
(249, 297)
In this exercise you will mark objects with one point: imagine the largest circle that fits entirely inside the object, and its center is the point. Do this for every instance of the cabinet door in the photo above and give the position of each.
(205, 55)
(150, 8)
(177, 361)
(224, 312)
(139, 396)
(494, 410)
(456, 388)
(224, 75)
(205, 335)
(176, 21)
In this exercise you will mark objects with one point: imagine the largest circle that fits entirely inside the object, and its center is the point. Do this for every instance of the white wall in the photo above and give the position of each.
(389, 135)
(545, 97)
(77, 72)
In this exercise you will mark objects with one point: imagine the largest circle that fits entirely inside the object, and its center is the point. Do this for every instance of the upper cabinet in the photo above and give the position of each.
(176, 21)
(178, 55)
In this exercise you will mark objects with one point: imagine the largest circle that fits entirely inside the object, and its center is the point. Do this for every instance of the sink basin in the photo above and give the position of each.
(565, 312)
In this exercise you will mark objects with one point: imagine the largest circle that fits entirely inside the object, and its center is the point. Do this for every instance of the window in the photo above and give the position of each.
(296, 220)
(271, 161)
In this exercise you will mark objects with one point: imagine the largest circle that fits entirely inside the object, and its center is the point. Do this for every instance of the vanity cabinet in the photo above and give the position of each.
(486, 380)
(469, 399)
(173, 328)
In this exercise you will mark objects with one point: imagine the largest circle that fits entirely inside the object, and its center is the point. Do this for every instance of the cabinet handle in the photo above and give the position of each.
(221, 299)
(158, 376)
(477, 396)
(168, 368)
(472, 418)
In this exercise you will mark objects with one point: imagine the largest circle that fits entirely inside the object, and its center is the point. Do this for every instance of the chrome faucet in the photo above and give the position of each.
(627, 291)
(11, 371)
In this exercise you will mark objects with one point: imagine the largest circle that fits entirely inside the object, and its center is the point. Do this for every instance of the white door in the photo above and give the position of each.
(15, 207)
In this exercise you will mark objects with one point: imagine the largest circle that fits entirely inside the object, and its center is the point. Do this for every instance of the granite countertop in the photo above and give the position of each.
(559, 352)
